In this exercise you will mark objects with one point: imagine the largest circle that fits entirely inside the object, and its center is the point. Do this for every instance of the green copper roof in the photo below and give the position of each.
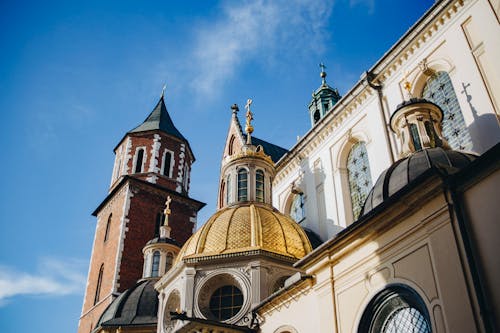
(159, 119)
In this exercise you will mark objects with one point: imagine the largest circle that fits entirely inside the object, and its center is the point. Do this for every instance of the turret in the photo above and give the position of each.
(155, 151)
(323, 99)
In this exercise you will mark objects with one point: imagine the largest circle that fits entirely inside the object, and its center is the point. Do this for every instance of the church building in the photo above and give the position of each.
(381, 218)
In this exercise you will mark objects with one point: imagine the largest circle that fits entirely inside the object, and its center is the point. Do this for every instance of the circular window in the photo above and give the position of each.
(396, 309)
(223, 297)
(226, 302)
(172, 305)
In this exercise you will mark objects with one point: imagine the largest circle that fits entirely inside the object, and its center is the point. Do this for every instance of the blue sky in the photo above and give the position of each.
(74, 77)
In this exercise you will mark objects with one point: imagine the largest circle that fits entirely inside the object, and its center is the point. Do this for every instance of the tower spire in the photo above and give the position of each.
(163, 91)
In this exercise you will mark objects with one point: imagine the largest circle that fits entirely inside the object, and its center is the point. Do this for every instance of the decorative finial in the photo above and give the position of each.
(407, 85)
(165, 228)
(249, 127)
(163, 91)
(167, 210)
(235, 108)
(323, 73)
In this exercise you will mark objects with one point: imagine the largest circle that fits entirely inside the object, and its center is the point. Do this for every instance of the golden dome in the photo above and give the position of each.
(245, 228)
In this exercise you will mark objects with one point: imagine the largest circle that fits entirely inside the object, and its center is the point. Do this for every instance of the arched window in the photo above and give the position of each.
(167, 164)
(242, 185)
(155, 267)
(231, 145)
(360, 181)
(396, 309)
(259, 186)
(229, 191)
(297, 209)
(222, 193)
(98, 285)
(439, 90)
(316, 116)
(169, 261)
(138, 161)
(108, 225)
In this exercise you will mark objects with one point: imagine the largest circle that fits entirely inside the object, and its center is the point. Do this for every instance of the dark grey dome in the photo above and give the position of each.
(165, 240)
(137, 306)
(313, 238)
(406, 170)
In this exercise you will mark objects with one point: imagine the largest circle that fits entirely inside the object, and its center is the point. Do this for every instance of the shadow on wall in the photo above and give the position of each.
(485, 128)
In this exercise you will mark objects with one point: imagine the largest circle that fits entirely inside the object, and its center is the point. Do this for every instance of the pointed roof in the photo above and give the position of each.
(159, 119)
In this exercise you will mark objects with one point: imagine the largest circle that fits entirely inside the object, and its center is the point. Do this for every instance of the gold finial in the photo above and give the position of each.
(407, 84)
(163, 91)
(249, 127)
(167, 211)
(323, 73)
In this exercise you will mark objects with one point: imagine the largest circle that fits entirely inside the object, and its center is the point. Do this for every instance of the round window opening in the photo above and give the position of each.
(396, 309)
(226, 302)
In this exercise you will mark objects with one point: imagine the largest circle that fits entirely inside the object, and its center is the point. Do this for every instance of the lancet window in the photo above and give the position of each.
(155, 267)
(167, 164)
(259, 186)
(139, 160)
(439, 90)
(360, 181)
(242, 185)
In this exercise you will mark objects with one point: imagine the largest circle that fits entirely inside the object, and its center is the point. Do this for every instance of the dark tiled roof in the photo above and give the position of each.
(165, 240)
(159, 119)
(313, 238)
(406, 170)
(134, 307)
(276, 152)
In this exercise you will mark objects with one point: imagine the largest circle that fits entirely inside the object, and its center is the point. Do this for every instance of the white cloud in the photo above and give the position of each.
(54, 277)
(260, 31)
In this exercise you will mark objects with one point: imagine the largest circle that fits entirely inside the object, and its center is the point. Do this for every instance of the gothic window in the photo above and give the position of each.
(396, 309)
(138, 161)
(228, 190)
(297, 210)
(415, 137)
(108, 225)
(360, 181)
(226, 302)
(231, 145)
(259, 186)
(155, 267)
(242, 185)
(439, 90)
(167, 164)
(222, 193)
(169, 261)
(325, 106)
(316, 116)
(98, 285)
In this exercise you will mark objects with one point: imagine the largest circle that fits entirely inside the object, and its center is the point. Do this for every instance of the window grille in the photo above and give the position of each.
(259, 186)
(360, 181)
(439, 90)
(242, 185)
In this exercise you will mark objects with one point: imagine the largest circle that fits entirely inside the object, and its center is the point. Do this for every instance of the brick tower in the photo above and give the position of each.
(153, 161)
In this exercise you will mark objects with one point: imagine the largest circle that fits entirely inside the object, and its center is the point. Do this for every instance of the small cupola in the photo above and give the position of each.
(323, 99)
(417, 123)
(160, 252)
(246, 174)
